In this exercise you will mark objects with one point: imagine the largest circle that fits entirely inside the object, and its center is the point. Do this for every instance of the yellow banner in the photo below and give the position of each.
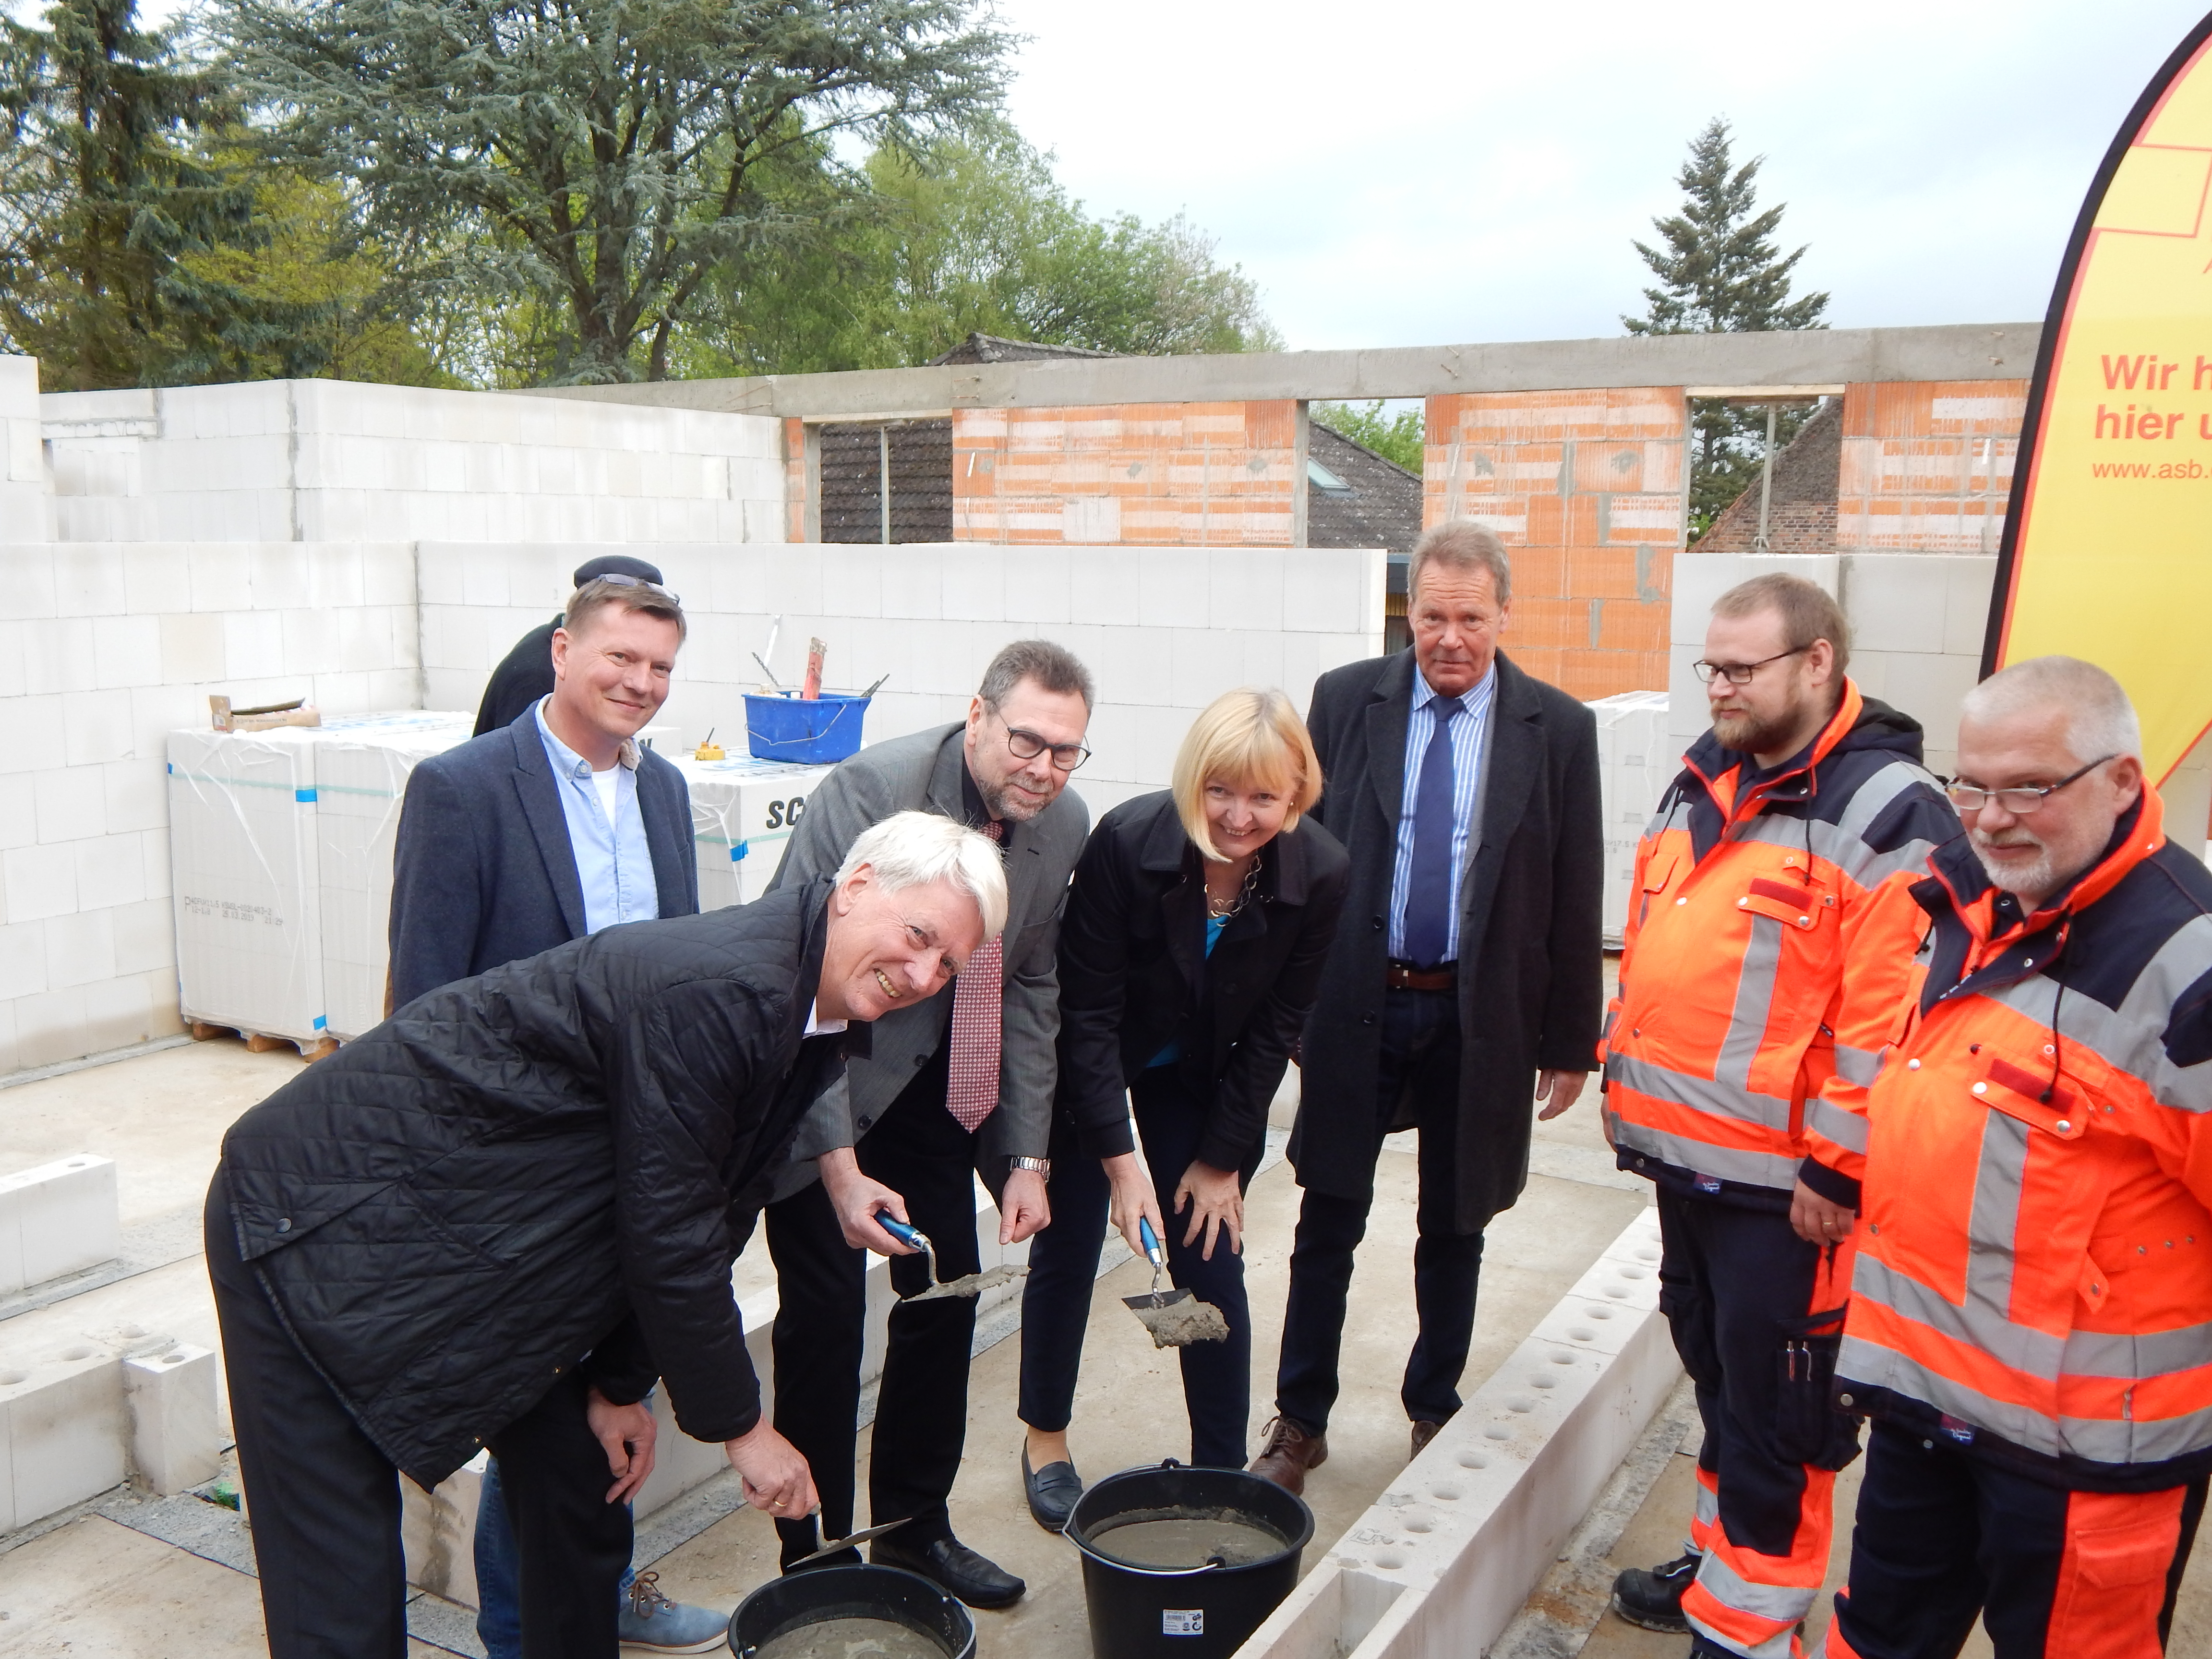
(2108, 546)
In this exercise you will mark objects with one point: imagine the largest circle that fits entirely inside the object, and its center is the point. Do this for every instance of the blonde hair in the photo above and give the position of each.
(1244, 737)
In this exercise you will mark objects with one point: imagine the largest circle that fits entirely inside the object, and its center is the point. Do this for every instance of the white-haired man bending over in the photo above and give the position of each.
(2031, 1315)
(498, 1217)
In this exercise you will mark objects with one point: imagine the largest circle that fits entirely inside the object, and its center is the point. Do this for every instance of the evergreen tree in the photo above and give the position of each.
(1720, 271)
(106, 195)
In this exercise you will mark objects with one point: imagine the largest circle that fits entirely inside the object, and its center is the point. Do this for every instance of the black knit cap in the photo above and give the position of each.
(618, 564)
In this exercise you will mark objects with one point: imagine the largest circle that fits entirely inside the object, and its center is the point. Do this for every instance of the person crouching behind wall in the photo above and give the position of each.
(1189, 957)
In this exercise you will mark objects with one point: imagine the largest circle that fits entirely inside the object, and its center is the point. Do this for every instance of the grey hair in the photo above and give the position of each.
(1054, 668)
(913, 849)
(1463, 545)
(2101, 720)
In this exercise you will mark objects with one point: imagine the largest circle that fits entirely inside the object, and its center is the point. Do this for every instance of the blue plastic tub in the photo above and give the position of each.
(826, 730)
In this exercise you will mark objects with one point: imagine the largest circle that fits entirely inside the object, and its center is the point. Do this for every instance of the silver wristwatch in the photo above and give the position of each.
(1041, 1165)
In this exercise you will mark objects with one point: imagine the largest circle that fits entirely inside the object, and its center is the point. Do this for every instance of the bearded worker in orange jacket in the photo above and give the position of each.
(2030, 1313)
(1769, 938)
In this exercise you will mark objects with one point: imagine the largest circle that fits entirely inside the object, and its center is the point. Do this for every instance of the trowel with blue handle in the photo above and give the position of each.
(973, 1285)
(1175, 1320)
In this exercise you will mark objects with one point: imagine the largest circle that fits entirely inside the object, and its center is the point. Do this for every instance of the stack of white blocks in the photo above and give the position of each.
(80, 1414)
(337, 461)
(743, 811)
(26, 512)
(1638, 758)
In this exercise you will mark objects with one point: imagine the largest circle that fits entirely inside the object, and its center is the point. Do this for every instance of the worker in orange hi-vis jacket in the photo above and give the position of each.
(1769, 939)
(2030, 1310)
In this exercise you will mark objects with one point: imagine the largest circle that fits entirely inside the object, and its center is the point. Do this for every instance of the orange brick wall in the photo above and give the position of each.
(1927, 465)
(1173, 475)
(1586, 489)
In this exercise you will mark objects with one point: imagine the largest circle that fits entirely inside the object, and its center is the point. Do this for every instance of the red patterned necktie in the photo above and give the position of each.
(971, 1093)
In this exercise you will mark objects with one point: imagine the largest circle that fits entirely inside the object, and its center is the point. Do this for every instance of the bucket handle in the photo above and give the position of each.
(1211, 1563)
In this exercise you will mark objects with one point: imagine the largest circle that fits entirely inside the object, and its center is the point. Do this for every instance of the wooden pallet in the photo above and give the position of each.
(258, 1042)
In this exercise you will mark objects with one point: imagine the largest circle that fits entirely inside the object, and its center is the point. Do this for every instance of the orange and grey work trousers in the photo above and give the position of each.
(1755, 1313)
(1943, 1535)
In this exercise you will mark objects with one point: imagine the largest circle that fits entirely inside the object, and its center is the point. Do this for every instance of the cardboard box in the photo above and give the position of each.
(742, 814)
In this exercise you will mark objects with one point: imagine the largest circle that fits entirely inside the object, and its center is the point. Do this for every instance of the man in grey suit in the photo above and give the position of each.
(957, 1083)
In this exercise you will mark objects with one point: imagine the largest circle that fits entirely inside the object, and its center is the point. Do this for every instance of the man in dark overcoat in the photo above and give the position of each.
(494, 1218)
(1465, 974)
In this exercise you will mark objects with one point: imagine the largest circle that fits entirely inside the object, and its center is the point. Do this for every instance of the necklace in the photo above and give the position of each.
(1221, 910)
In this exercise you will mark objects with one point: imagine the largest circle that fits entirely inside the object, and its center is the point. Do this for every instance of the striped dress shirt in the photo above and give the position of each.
(1469, 731)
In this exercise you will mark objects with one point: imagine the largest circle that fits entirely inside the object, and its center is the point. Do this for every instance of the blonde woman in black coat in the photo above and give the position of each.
(1189, 956)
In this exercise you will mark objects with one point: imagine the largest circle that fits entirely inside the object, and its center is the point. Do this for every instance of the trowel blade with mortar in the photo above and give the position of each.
(1156, 1297)
(942, 1289)
(850, 1540)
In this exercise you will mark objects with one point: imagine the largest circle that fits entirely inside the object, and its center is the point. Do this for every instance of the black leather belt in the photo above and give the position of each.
(1404, 976)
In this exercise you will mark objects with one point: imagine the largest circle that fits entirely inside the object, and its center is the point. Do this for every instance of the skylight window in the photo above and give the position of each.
(1323, 478)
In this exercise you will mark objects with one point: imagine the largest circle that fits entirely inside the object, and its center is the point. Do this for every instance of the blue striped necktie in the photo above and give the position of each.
(1428, 884)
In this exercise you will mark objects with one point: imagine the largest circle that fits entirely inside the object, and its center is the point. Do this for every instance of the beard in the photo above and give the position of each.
(2036, 879)
(1748, 733)
(1004, 802)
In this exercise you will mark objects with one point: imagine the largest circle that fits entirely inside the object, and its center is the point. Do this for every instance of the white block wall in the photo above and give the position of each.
(106, 649)
(331, 460)
(26, 515)
(1164, 630)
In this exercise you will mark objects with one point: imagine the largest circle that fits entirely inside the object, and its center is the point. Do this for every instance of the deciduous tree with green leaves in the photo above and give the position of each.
(599, 159)
(1395, 437)
(1720, 272)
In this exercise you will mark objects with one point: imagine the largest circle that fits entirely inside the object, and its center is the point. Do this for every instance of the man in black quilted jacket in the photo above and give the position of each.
(495, 1218)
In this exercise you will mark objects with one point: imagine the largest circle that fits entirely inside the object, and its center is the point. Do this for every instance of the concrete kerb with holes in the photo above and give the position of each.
(1444, 1558)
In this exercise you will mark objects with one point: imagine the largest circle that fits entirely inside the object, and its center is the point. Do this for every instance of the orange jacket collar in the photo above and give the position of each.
(1974, 896)
(1722, 782)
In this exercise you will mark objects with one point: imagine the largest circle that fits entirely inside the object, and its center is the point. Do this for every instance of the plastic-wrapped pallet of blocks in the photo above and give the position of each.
(247, 883)
(743, 812)
(361, 768)
(1636, 760)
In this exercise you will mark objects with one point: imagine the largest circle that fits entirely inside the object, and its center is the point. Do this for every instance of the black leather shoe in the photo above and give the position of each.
(951, 1564)
(1652, 1596)
(1052, 1492)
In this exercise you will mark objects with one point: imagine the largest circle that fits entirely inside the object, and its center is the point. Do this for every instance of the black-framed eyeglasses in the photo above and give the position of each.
(2020, 801)
(621, 581)
(1740, 673)
(1027, 745)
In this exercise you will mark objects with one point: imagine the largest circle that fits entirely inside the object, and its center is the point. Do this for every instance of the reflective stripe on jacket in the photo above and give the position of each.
(2036, 1262)
(1769, 937)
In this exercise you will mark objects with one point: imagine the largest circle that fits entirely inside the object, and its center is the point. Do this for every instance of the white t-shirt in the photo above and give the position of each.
(607, 783)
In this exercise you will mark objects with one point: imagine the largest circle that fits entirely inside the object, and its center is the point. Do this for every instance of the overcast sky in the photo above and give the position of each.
(1433, 171)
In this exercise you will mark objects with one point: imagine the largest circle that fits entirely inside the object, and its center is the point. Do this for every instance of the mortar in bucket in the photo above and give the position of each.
(827, 1613)
(816, 730)
(1185, 1562)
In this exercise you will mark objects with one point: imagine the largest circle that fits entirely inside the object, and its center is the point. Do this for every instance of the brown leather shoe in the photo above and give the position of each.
(1289, 1453)
(1423, 1433)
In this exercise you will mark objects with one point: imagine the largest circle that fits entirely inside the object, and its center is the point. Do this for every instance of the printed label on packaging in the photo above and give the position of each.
(1183, 1621)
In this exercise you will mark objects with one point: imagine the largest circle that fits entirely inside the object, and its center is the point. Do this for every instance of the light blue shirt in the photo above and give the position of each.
(1469, 730)
(614, 862)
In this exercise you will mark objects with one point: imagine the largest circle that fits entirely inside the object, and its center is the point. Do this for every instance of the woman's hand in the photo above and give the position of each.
(627, 1432)
(1216, 1202)
(1131, 1195)
(771, 1474)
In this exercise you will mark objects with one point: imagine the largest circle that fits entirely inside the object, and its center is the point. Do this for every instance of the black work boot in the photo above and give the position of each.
(1652, 1596)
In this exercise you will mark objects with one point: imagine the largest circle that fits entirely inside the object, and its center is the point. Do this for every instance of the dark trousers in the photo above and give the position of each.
(1419, 1073)
(1943, 1535)
(1754, 1311)
(326, 1502)
(1217, 1376)
(919, 1150)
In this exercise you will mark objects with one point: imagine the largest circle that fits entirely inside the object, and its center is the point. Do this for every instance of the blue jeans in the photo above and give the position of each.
(1217, 1376)
(499, 1573)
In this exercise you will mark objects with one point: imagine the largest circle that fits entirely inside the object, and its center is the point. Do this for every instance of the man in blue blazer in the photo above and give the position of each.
(543, 831)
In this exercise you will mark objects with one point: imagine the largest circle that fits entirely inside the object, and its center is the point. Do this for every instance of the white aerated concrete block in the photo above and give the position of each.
(743, 812)
(176, 1439)
(66, 1430)
(56, 1220)
(438, 1530)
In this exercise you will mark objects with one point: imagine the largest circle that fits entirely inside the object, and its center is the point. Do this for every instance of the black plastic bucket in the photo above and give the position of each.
(1188, 1612)
(783, 1605)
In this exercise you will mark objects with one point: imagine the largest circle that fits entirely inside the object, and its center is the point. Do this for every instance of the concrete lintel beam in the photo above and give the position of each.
(1815, 358)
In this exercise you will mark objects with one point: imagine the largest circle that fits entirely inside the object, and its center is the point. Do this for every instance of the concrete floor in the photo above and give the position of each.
(94, 1586)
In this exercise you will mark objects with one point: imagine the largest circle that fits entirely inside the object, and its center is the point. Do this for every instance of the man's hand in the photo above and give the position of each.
(1131, 1195)
(771, 1474)
(1561, 1089)
(627, 1432)
(856, 1200)
(1216, 1203)
(1819, 1220)
(1024, 1209)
